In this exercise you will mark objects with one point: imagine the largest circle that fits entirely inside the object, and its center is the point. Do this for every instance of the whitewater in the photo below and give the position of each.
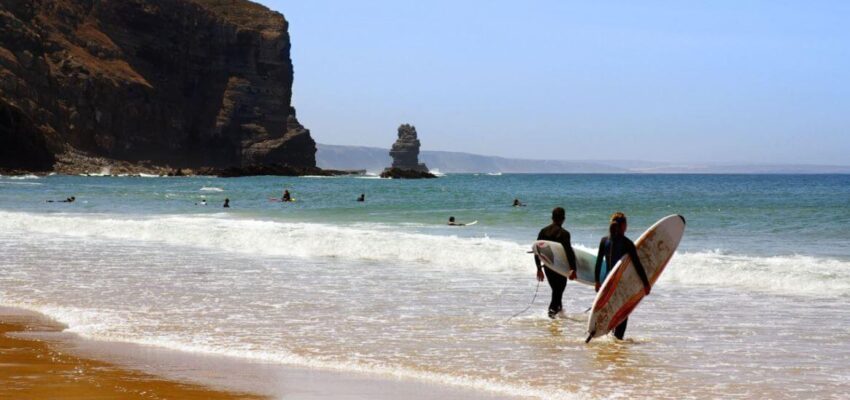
(745, 309)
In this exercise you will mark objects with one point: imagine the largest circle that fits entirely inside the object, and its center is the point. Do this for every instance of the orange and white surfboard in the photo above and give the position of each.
(622, 290)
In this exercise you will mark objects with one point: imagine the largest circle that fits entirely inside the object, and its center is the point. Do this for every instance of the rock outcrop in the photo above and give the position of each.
(405, 154)
(183, 83)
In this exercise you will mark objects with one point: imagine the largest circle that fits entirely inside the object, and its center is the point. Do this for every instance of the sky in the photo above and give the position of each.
(755, 82)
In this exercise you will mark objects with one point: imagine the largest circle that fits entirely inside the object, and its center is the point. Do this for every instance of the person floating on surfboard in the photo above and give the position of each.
(556, 233)
(68, 200)
(226, 203)
(518, 203)
(614, 247)
(362, 197)
(286, 196)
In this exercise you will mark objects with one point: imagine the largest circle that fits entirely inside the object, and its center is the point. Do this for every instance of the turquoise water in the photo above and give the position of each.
(753, 305)
(747, 214)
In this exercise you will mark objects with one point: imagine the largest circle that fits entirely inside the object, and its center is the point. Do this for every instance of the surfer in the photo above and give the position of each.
(613, 247)
(518, 203)
(362, 197)
(286, 196)
(67, 200)
(556, 233)
(226, 203)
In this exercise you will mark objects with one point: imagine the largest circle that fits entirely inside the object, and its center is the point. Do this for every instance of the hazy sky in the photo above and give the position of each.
(680, 81)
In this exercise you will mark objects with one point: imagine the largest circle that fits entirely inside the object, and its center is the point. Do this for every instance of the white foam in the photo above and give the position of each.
(95, 325)
(304, 240)
(794, 275)
(211, 189)
(21, 177)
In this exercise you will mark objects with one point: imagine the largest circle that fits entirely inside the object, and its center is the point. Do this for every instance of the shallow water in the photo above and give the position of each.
(753, 304)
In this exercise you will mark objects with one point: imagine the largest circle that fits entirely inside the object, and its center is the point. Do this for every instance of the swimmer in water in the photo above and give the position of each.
(226, 203)
(453, 223)
(68, 200)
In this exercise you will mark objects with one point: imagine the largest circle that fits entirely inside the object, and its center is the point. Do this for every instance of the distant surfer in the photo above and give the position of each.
(226, 203)
(613, 247)
(556, 233)
(362, 197)
(67, 200)
(286, 196)
(518, 203)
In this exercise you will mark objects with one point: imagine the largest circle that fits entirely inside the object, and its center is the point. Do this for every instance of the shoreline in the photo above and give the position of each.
(34, 363)
(39, 359)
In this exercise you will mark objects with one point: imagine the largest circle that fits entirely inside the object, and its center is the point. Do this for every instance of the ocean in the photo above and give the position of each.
(753, 305)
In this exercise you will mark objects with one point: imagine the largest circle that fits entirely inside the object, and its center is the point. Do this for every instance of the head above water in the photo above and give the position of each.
(451, 219)
(559, 215)
(618, 224)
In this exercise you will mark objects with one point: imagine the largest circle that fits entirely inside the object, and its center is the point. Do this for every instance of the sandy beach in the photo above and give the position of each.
(32, 367)
(38, 361)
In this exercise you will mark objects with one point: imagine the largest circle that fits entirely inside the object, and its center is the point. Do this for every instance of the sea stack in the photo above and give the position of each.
(405, 154)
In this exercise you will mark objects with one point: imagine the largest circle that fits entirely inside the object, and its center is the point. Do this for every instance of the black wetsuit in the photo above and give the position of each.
(613, 250)
(557, 281)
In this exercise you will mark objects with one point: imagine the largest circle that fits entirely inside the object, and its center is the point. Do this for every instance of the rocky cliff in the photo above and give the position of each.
(184, 83)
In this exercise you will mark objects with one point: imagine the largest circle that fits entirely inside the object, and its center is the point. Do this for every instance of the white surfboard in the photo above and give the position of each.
(622, 290)
(553, 256)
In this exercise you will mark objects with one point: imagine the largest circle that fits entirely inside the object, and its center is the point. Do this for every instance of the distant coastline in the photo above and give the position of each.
(372, 159)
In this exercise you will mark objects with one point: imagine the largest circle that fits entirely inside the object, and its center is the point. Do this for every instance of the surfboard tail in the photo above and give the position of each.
(589, 337)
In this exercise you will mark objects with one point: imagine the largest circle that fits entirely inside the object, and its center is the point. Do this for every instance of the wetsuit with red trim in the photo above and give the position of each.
(613, 250)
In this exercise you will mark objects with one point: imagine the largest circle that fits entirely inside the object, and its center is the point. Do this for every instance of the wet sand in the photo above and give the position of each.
(38, 360)
(36, 368)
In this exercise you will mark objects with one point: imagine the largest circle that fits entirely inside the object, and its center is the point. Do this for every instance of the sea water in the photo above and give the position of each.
(754, 303)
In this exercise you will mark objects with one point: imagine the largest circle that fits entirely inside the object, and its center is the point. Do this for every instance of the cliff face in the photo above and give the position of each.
(187, 83)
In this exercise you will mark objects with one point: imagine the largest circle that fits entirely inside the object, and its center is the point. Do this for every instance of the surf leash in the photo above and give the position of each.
(529, 305)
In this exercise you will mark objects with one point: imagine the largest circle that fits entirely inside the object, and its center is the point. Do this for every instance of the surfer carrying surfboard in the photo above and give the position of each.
(614, 247)
(556, 233)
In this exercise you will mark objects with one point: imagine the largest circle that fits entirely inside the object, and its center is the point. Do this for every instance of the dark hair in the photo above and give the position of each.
(559, 214)
(451, 219)
(615, 225)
